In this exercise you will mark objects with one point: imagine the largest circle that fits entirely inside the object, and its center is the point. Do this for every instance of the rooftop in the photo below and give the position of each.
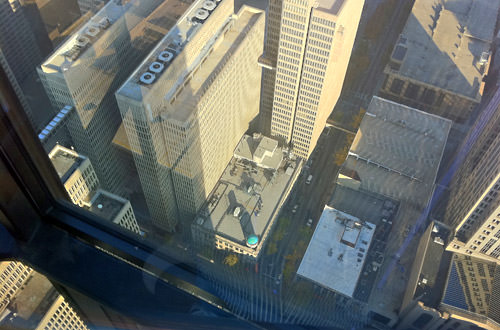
(106, 205)
(444, 44)
(190, 76)
(254, 191)
(65, 161)
(260, 150)
(337, 251)
(398, 147)
(142, 18)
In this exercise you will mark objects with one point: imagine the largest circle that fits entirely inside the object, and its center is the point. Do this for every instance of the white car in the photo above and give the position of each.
(294, 210)
(309, 222)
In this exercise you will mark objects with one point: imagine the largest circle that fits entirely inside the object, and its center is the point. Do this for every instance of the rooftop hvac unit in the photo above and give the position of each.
(209, 5)
(201, 14)
(484, 57)
(147, 78)
(156, 67)
(81, 41)
(104, 23)
(165, 56)
(92, 31)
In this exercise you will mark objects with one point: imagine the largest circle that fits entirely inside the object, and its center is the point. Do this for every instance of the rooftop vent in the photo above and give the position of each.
(104, 22)
(165, 56)
(81, 41)
(147, 78)
(201, 14)
(92, 31)
(209, 5)
(156, 67)
(484, 57)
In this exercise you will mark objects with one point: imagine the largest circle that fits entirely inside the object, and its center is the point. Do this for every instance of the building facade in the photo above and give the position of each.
(436, 68)
(87, 69)
(310, 60)
(187, 106)
(12, 277)
(61, 316)
(76, 173)
(82, 185)
(473, 209)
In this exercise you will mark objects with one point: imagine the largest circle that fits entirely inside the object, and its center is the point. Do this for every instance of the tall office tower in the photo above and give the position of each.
(268, 62)
(473, 210)
(188, 104)
(88, 68)
(12, 277)
(18, 42)
(442, 56)
(315, 43)
(19, 51)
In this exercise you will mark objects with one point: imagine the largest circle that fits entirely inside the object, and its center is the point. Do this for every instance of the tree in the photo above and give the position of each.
(231, 260)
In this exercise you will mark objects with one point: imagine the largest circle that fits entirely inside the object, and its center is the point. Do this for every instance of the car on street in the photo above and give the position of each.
(295, 208)
(309, 222)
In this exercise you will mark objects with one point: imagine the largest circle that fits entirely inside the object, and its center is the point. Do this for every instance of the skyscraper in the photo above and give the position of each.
(473, 210)
(189, 103)
(310, 58)
(87, 69)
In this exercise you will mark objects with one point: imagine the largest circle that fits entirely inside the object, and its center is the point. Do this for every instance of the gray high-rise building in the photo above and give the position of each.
(308, 47)
(87, 69)
(189, 103)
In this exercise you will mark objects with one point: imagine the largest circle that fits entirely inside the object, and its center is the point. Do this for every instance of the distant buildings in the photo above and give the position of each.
(29, 301)
(305, 59)
(187, 106)
(442, 56)
(87, 69)
(241, 210)
(337, 251)
(473, 208)
(81, 183)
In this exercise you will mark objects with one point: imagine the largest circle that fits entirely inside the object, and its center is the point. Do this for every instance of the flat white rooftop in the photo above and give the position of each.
(337, 251)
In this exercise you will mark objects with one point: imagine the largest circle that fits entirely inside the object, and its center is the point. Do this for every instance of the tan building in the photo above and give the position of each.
(310, 59)
(473, 209)
(76, 173)
(113, 208)
(187, 106)
(61, 316)
(12, 277)
(442, 56)
(81, 183)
